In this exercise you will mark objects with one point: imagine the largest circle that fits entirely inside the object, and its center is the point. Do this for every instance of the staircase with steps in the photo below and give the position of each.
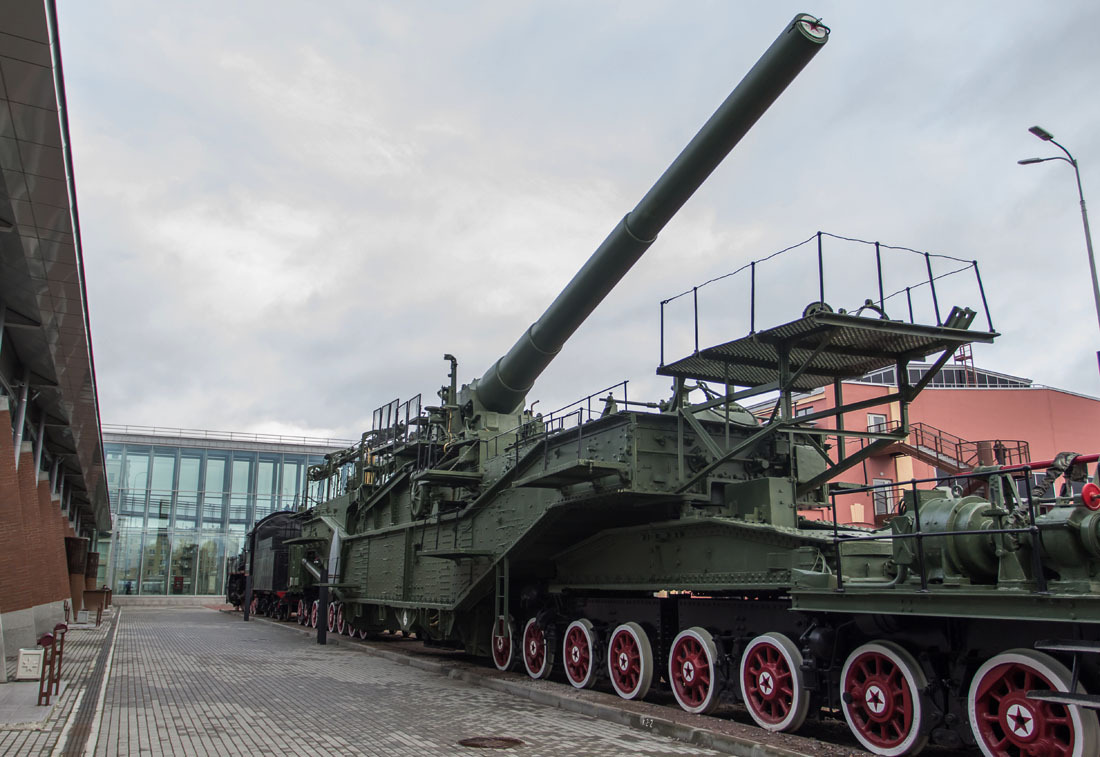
(953, 454)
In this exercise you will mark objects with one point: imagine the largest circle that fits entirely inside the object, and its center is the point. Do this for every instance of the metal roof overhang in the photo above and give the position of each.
(41, 267)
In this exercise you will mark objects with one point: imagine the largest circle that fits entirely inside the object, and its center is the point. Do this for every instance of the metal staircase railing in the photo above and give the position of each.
(955, 454)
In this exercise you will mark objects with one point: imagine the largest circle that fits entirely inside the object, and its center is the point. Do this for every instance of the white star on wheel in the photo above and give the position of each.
(766, 684)
(1020, 720)
(876, 702)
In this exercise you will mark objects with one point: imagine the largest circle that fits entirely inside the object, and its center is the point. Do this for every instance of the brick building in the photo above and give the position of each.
(965, 417)
(52, 482)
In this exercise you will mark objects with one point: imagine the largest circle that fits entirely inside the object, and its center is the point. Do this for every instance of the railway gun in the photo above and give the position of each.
(639, 545)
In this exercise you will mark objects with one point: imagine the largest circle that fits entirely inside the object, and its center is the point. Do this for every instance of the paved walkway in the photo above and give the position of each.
(83, 648)
(195, 682)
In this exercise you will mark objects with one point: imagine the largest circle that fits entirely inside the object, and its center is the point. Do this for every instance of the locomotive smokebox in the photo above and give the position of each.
(504, 386)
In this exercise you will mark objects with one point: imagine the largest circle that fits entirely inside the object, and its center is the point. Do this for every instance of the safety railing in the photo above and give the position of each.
(927, 287)
(965, 453)
(225, 436)
(1032, 505)
(574, 415)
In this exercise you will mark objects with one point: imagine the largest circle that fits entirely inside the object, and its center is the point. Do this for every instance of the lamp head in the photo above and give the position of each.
(1041, 133)
(1029, 161)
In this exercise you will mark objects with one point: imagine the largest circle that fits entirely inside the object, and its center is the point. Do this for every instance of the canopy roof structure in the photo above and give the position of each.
(45, 342)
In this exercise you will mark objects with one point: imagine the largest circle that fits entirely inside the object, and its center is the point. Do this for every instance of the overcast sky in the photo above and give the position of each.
(291, 211)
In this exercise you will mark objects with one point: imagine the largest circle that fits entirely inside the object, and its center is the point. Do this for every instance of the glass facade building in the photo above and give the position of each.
(183, 501)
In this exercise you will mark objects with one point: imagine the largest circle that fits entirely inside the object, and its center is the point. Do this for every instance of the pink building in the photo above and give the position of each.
(966, 416)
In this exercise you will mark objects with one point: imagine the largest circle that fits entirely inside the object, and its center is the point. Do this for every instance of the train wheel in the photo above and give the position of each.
(254, 606)
(504, 651)
(630, 661)
(881, 689)
(341, 626)
(772, 683)
(314, 612)
(331, 619)
(692, 671)
(301, 612)
(1006, 722)
(538, 656)
(579, 653)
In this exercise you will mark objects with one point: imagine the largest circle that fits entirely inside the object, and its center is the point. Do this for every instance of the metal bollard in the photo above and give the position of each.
(45, 680)
(59, 632)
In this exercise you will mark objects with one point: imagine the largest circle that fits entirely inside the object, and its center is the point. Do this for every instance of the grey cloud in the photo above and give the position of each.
(289, 217)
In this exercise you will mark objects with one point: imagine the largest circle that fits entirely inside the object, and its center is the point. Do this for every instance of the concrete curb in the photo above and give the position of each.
(701, 737)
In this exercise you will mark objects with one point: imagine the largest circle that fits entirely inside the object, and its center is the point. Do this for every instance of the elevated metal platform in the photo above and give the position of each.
(822, 348)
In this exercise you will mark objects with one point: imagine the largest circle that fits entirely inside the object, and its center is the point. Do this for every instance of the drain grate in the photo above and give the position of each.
(490, 742)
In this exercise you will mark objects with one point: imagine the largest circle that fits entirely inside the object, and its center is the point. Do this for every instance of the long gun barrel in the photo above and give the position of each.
(504, 386)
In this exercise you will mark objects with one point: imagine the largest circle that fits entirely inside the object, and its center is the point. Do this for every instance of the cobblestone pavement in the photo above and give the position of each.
(82, 647)
(193, 682)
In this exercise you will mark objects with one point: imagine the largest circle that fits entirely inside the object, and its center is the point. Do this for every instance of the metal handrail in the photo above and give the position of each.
(229, 436)
(750, 269)
(919, 535)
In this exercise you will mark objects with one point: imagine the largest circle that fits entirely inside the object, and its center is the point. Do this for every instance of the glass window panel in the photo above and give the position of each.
(265, 476)
(127, 559)
(211, 565)
(114, 466)
(135, 485)
(266, 480)
(238, 502)
(187, 492)
(184, 561)
(242, 474)
(137, 468)
(291, 484)
(160, 491)
(154, 564)
(213, 502)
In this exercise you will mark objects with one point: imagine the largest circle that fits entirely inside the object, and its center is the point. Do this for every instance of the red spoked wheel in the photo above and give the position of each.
(331, 619)
(341, 625)
(362, 634)
(881, 688)
(254, 606)
(538, 656)
(772, 683)
(1008, 724)
(504, 653)
(313, 613)
(302, 612)
(579, 654)
(692, 671)
(630, 661)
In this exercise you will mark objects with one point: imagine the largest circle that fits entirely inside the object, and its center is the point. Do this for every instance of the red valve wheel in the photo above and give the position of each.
(1090, 495)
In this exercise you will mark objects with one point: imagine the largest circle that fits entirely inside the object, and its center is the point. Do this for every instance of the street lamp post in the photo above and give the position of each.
(1046, 136)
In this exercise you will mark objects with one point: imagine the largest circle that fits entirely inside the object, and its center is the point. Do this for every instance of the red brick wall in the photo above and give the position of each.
(13, 545)
(54, 546)
(32, 530)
